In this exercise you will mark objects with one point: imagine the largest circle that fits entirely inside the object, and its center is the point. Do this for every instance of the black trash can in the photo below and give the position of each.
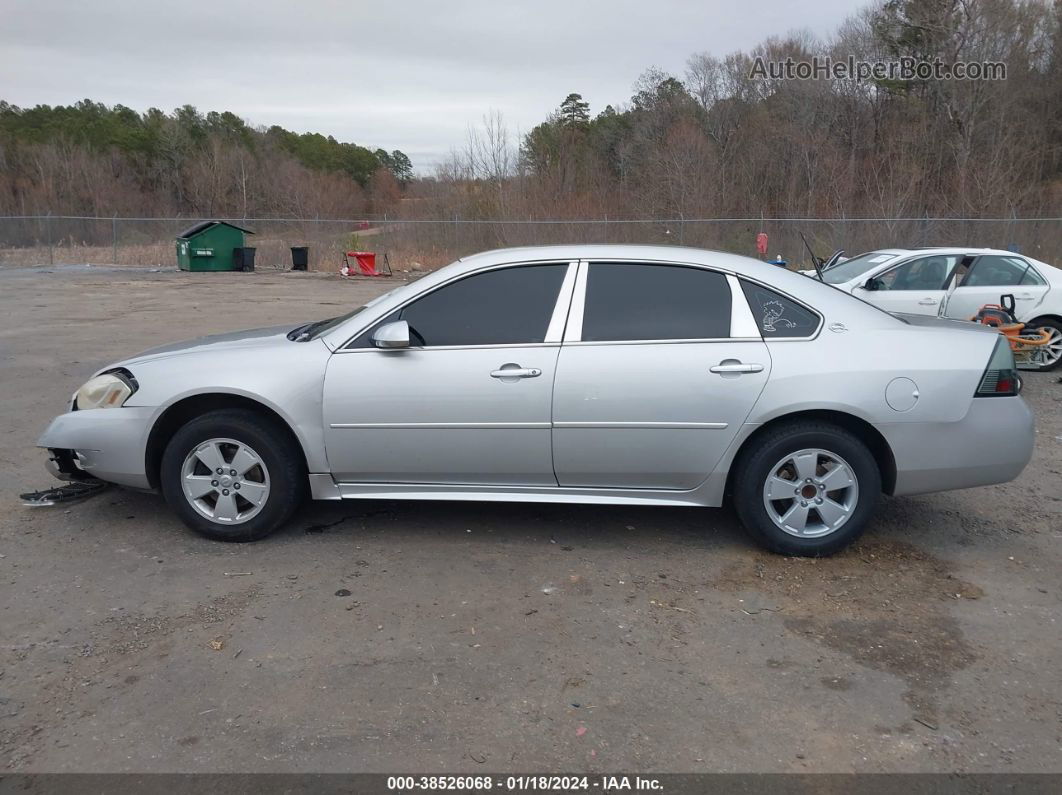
(300, 257)
(243, 258)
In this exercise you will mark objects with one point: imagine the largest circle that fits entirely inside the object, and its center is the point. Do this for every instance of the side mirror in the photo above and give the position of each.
(392, 335)
(872, 284)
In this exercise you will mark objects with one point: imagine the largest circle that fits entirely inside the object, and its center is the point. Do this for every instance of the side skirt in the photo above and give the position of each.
(592, 496)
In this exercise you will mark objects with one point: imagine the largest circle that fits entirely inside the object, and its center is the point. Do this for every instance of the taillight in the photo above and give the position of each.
(1001, 376)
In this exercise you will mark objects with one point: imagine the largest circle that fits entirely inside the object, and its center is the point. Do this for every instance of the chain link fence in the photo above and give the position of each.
(149, 242)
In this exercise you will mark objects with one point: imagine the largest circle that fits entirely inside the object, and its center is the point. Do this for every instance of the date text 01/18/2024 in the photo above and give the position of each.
(523, 783)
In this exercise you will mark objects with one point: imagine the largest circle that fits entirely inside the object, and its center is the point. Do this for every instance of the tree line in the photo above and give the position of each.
(91, 159)
(719, 141)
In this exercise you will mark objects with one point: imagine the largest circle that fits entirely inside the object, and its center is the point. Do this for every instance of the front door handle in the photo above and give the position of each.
(736, 367)
(928, 302)
(515, 371)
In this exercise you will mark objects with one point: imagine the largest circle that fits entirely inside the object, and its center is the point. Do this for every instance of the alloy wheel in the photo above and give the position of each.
(225, 480)
(1051, 352)
(811, 493)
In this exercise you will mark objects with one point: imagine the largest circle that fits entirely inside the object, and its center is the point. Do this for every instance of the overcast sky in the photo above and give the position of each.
(403, 74)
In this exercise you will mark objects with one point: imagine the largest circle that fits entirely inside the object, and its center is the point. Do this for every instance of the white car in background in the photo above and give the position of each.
(915, 281)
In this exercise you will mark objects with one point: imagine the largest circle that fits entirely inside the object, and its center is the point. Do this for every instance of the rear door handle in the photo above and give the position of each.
(736, 367)
(928, 301)
(516, 372)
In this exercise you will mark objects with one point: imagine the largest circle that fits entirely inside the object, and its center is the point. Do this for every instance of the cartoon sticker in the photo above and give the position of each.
(772, 315)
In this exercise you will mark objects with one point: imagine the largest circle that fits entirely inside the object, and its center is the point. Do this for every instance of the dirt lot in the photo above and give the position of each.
(387, 636)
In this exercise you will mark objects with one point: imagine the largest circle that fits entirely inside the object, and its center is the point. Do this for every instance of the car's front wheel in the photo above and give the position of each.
(806, 488)
(233, 475)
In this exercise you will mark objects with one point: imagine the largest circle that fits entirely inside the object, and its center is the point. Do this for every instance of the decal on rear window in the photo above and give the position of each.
(772, 315)
(778, 316)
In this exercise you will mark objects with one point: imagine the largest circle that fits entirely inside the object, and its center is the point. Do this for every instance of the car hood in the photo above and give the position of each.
(932, 321)
(248, 338)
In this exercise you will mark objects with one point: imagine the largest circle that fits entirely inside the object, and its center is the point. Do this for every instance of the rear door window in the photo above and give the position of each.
(633, 301)
(998, 271)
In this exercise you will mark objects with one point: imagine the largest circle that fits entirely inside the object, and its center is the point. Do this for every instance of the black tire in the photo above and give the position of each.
(1045, 323)
(278, 451)
(753, 468)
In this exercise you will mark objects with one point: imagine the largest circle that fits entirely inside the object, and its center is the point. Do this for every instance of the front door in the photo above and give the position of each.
(469, 401)
(651, 386)
(916, 287)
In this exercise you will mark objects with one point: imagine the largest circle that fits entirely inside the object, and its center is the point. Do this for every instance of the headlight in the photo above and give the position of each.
(107, 391)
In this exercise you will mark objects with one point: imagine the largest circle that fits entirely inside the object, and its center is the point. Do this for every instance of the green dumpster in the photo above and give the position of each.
(209, 245)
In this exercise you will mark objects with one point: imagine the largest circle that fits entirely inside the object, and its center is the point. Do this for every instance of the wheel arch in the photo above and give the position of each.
(867, 433)
(1039, 318)
(188, 408)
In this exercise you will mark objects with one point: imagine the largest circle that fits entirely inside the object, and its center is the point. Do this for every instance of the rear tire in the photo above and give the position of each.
(233, 475)
(1054, 328)
(806, 488)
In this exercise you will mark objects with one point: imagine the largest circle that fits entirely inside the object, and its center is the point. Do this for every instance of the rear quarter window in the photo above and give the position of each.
(777, 316)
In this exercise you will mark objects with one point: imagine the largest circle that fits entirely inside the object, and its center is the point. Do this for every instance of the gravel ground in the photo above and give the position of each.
(389, 636)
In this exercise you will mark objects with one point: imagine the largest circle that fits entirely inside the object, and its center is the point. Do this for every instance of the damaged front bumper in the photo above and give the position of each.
(106, 444)
(66, 465)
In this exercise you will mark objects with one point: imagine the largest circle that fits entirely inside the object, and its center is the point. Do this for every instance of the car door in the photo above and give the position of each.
(660, 366)
(916, 287)
(992, 276)
(469, 401)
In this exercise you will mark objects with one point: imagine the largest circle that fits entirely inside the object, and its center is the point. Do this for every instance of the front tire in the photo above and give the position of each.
(806, 488)
(1053, 349)
(233, 475)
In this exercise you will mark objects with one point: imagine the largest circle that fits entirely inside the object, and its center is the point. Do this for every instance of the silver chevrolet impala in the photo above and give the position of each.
(623, 375)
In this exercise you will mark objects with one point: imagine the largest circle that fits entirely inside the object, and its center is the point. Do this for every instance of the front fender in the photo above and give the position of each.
(287, 379)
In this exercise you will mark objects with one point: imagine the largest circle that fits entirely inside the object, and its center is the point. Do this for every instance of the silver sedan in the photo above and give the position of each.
(623, 375)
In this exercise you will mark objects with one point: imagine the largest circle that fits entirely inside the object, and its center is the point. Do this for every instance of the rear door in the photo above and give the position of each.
(660, 366)
(992, 276)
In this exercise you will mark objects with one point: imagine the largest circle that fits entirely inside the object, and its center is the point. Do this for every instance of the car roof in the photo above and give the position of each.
(931, 250)
(736, 263)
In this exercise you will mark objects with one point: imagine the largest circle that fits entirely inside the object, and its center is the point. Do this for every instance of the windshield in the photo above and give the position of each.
(309, 331)
(856, 266)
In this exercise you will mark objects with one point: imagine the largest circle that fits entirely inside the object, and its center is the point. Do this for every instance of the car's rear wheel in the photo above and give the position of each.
(1051, 353)
(806, 488)
(233, 475)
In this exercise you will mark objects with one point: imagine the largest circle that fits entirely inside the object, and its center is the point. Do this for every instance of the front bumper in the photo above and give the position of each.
(108, 444)
(991, 444)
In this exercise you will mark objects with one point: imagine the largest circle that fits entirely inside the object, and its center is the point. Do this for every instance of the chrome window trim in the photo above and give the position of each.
(742, 324)
(422, 349)
(343, 348)
(558, 322)
(573, 332)
(698, 341)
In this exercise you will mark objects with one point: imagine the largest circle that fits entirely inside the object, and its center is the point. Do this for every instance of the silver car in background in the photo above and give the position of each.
(629, 375)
